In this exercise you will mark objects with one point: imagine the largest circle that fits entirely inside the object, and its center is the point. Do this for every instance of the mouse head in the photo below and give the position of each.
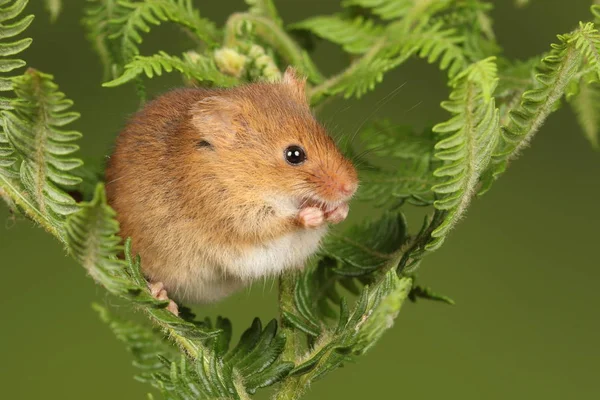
(264, 138)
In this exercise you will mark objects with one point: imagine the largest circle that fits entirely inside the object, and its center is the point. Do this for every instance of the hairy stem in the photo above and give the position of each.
(22, 201)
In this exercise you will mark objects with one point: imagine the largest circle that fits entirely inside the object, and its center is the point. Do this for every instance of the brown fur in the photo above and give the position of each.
(197, 174)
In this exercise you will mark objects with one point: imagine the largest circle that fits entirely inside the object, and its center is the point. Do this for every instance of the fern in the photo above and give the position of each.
(8, 157)
(356, 36)
(366, 248)
(339, 306)
(586, 104)
(116, 27)
(409, 9)
(466, 147)
(33, 130)
(433, 43)
(54, 7)
(558, 70)
(195, 67)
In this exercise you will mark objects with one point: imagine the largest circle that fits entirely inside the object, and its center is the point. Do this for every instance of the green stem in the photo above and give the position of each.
(287, 284)
(25, 205)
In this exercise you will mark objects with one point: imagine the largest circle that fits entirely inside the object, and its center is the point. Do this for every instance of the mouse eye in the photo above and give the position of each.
(295, 155)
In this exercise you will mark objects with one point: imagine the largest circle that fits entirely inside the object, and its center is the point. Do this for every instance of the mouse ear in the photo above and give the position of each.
(292, 79)
(216, 118)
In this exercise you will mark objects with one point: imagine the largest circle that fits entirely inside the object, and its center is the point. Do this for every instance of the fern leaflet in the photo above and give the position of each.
(8, 158)
(558, 70)
(586, 104)
(193, 66)
(356, 36)
(33, 130)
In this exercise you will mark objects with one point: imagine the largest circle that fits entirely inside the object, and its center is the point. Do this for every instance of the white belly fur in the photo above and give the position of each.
(270, 259)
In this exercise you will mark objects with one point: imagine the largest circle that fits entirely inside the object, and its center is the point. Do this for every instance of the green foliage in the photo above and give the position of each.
(586, 104)
(54, 7)
(576, 51)
(44, 150)
(339, 306)
(356, 36)
(412, 179)
(191, 65)
(115, 27)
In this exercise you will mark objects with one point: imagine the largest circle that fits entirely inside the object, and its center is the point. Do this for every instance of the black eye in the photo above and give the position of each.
(295, 155)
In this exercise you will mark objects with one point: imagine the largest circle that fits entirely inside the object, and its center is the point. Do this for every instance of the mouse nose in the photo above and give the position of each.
(348, 188)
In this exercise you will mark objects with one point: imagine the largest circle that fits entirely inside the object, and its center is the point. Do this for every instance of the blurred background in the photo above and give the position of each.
(522, 267)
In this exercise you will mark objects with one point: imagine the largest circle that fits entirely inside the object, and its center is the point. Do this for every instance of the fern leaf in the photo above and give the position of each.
(586, 104)
(558, 70)
(433, 43)
(466, 146)
(466, 152)
(365, 248)
(92, 240)
(196, 67)
(116, 27)
(253, 364)
(264, 8)
(98, 14)
(356, 36)
(422, 292)
(8, 157)
(54, 7)
(92, 237)
(409, 9)
(33, 129)
(146, 345)
(411, 153)
(358, 329)
(437, 44)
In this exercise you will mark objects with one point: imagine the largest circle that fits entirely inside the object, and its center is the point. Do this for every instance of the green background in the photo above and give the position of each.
(523, 266)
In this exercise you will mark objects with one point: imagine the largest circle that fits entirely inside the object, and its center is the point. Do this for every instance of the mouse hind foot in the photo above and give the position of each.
(160, 293)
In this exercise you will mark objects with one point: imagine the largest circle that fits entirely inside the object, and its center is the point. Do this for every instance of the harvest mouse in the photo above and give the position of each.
(220, 187)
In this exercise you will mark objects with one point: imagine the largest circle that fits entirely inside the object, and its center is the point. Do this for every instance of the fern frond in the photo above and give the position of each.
(98, 14)
(8, 158)
(365, 248)
(254, 363)
(264, 8)
(196, 66)
(123, 23)
(466, 152)
(434, 43)
(412, 10)
(466, 146)
(33, 128)
(357, 329)
(54, 7)
(92, 240)
(558, 70)
(146, 345)
(586, 104)
(355, 36)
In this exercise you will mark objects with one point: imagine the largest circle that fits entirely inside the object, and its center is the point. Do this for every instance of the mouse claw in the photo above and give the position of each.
(158, 291)
(338, 214)
(311, 217)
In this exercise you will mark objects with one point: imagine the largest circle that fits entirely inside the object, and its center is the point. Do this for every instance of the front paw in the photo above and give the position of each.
(338, 214)
(311, 217)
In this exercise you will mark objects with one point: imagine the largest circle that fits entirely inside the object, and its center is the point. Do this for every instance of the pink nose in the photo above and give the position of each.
(348, 189)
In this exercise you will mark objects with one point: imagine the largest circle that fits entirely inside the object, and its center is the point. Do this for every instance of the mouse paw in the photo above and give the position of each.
(311, 217)
(338, 214)
(160, 293)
